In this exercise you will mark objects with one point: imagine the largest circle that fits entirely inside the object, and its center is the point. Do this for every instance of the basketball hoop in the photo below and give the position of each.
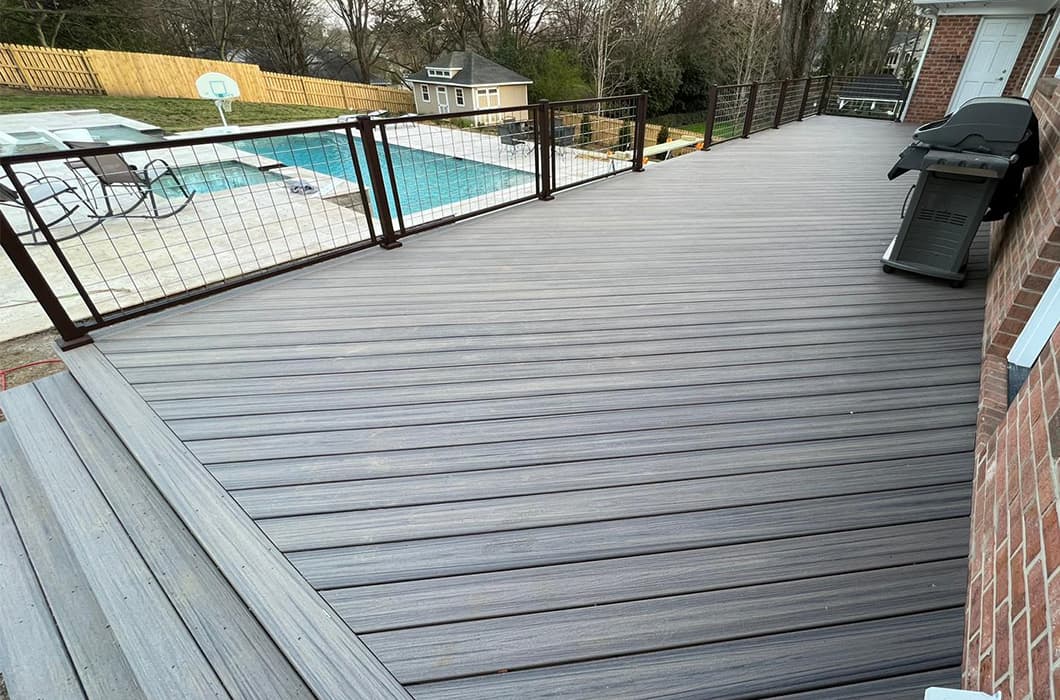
(221, 89)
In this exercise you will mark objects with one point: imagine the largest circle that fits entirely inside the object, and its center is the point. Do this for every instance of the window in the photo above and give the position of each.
(425, 93)
(439, 73)
(459, 96)
(1034, 336)
(488, 97)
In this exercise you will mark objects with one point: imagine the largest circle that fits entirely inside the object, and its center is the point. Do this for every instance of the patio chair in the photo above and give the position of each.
(40, 191)
(510, 132)
(112, 172)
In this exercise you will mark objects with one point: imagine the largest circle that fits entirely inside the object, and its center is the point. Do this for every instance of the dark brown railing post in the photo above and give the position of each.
(375, 175)
(824, 95)
(640, 129)
(72, 336)
(544, 144)
(712, 115)
(749, 115)
(781, 98)
(805, 97)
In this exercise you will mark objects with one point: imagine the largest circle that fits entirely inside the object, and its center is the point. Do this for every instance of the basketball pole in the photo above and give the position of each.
(220, 110)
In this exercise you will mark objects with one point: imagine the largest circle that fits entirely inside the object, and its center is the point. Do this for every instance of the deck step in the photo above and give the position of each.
(30, 633)
(140, 608)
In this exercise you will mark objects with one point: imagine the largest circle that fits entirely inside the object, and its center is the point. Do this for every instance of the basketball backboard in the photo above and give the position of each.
(216, 86)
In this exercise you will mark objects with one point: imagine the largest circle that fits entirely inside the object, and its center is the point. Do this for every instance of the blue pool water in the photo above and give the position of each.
(214, 177)
(424, 179)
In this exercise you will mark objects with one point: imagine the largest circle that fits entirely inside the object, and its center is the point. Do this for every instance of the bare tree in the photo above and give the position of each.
(369, 26)
(215, 27)
(799, 27)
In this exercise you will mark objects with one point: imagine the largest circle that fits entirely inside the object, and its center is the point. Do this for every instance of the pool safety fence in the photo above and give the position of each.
(103, 233)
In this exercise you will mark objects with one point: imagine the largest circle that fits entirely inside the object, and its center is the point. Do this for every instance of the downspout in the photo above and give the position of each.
(1045, 52)
(933, 16)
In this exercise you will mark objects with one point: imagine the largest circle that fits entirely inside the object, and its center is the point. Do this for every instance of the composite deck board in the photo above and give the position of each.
(393, 492)
(772, 379)
(525, 641)
(671, 434)
(382, 607)
(30, 632)
(736, 669)
(333, 370)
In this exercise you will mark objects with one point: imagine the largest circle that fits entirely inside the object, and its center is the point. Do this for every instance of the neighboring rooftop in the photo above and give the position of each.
(672, 434)
(466, 68)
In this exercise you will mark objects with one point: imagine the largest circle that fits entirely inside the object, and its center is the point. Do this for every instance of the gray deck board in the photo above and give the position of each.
(747, 668)
(382, 607)
(151, 651)
(671, 434)
(525, 641)
(30, 632)
(241, 653)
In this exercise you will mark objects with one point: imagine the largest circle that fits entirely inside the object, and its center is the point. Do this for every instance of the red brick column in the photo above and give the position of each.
(943, 61)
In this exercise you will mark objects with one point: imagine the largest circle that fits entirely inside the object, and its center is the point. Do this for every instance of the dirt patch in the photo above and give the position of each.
(26, 350)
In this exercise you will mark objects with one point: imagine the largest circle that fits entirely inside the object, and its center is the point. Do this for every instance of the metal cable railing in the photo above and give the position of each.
(741, 110)
(101, 233)
(593, 138)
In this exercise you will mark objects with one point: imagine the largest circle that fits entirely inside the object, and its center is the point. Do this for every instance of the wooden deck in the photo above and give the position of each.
(670, 434)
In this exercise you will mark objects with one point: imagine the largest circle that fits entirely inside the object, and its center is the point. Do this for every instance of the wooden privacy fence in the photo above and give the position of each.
(124, 74)
(47, 70)
(297, 89)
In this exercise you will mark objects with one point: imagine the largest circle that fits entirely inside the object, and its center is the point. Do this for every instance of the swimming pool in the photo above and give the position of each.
(214, 177)
(424, 179)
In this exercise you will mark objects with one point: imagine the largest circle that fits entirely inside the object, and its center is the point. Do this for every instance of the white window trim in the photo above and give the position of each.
(1040, 327)
(425, 93)
(459, 96)
(1045, 53)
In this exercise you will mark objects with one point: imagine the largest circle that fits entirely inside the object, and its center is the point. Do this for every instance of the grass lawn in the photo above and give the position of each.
(164, 112)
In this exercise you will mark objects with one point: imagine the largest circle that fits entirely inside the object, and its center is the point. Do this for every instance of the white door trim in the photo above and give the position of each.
(442, 95)
(1028, 19)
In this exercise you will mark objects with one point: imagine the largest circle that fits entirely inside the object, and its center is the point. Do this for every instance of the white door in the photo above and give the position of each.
(443, 100)
(989, 63)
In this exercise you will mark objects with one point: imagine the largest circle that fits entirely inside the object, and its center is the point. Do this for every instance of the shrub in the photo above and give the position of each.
(664, 134)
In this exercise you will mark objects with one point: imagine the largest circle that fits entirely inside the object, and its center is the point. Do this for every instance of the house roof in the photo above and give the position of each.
(473, 69)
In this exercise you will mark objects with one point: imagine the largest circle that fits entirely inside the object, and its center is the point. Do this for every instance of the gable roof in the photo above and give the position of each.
(473, 70)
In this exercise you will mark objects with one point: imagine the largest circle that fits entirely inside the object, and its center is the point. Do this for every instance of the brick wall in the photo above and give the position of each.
(945, 58)
(942, 66)
(1013, 607)
(1025, 247)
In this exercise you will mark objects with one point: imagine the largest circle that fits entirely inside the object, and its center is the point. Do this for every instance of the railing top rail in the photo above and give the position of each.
(590, 100)
(735, 85)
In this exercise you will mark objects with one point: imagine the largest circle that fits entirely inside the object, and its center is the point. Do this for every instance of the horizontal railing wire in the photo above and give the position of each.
(812, 105)
(765, 106)
(135, 226)
(446, 167)
(591, 138)
(867, 96)
(730, 112)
